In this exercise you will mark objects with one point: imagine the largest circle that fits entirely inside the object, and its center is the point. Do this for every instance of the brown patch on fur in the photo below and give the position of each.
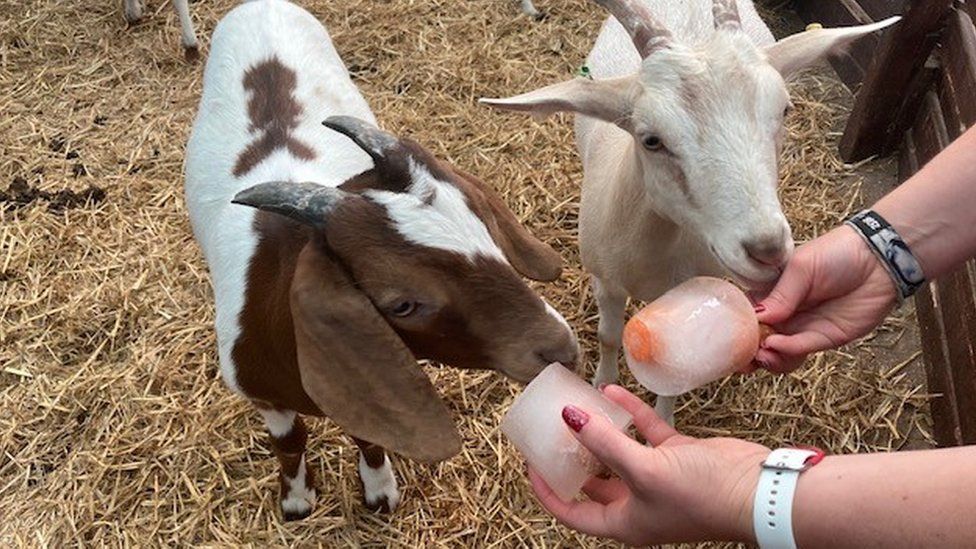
(475, 314)
(488, 315)
(267, 367)
(374, 455)
(372, 180)
(380, 258)
(290, 450)
(274, 112)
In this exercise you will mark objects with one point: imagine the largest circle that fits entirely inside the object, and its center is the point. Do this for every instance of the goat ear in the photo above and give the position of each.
(357, 370)
(528, 255)
(609, 100)
(800, 50)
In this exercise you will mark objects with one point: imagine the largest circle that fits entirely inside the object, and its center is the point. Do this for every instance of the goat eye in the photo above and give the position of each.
(404, 308)
(653, 143)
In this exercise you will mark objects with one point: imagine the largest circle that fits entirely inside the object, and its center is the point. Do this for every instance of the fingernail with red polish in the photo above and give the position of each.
(759, 308)
(575, 418)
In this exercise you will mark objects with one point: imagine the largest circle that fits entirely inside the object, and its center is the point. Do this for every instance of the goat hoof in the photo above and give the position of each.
(541, 15)
(133, 15)
(380, 492)
(191, 53)
(383, 502)
(296, 515)
(380, 504)
(295, 508)
(298, 504)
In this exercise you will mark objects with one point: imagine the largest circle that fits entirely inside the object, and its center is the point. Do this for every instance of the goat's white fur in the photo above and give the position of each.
(247, 36)
(716, 99)
(253, 33)
(278, 422)
(300, 499)
(379, 483)
(447, 223)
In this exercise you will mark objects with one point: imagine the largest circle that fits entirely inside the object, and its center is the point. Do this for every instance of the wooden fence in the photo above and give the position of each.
(916, 89)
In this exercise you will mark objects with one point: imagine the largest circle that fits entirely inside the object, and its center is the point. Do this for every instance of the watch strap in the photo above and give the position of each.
(772, 510)
(891, 250)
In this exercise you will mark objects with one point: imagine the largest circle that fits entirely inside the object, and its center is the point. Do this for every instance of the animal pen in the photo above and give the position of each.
(115, 428)
(924, 71)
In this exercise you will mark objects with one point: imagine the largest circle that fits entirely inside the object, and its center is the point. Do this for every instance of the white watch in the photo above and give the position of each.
(772, 510)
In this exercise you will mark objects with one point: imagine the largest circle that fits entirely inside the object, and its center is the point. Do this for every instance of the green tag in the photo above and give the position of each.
(584, 71)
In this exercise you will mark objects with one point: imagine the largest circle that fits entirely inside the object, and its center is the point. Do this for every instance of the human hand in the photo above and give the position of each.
(679, 489)
(833, 291)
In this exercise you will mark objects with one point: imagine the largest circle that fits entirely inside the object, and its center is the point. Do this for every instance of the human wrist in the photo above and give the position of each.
(809, 501)
(864, 260)
(774, 499)
(742, 500)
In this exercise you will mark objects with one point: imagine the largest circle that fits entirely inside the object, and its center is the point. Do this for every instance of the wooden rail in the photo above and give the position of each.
(917, 94)
(947, 308)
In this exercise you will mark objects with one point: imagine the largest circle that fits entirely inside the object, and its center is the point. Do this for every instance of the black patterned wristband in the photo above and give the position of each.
(891, 251)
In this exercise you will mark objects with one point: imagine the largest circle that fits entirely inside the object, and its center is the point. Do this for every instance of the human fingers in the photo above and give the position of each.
(789, 293)
(654, 429)
(800, 343)
(588, 517)
(772, 361)
(608, 444)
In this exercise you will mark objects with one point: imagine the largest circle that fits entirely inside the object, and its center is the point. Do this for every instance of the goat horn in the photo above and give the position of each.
(725, 13)
(386, 150)
(308, 203)
(648, 34)
(368, 137)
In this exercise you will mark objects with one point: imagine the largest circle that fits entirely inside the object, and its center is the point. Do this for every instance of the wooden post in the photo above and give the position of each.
(901, 57)
(946, 309)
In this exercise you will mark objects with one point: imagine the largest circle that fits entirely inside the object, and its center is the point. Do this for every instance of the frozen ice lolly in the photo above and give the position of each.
(701, 330)
(535, 426)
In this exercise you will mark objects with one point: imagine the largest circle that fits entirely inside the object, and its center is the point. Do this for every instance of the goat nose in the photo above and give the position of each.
(767, 250)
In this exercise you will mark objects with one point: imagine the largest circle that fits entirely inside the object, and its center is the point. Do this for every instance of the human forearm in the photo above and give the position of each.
(935, 210)
(903, 499)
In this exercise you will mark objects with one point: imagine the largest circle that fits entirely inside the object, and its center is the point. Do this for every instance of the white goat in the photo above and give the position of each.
(680, 136)
(367, 253)
(133, 13)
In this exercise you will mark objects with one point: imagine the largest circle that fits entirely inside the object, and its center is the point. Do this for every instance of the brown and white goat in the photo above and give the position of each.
(680, 133)
(133, 13)
(340, 254)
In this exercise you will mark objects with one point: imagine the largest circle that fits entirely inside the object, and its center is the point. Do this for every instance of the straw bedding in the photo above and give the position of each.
(114, 427)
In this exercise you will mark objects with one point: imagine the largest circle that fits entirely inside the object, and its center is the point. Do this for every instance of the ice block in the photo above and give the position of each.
(535, 426)
(698, 332)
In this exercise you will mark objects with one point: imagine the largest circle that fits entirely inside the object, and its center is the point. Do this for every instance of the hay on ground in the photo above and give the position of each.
(114, 427)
